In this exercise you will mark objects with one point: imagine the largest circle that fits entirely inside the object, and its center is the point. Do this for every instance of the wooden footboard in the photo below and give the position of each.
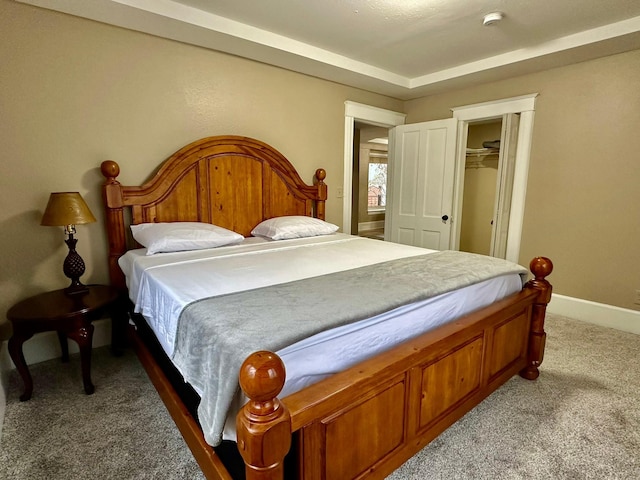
(368, 420)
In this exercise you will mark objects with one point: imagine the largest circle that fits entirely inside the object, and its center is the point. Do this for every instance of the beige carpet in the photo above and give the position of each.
(122, 431)
(579, 420)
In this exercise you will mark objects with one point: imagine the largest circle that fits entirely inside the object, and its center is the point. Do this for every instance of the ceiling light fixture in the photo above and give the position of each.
(492, 18)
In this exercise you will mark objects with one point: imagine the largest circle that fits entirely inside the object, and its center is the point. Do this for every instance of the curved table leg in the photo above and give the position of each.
(84, 337)
(64, 346)
(15, 351)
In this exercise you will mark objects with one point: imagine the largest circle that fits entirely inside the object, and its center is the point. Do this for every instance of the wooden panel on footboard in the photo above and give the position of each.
(329, 447)
(377, 423)
(448, 380)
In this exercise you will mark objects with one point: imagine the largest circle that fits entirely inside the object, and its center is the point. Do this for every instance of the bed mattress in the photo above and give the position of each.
(161, 285)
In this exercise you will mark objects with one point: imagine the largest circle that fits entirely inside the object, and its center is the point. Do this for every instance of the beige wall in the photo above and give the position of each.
(75, 92)
(583, 194)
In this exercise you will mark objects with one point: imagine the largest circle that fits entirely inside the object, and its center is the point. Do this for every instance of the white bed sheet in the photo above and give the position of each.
(162, 285)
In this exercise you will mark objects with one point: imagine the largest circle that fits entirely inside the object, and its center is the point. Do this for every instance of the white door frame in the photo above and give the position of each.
(504, 184)
(370, 115)
(525, 106)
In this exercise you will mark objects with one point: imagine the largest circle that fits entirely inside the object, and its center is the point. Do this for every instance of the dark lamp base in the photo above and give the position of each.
(73, 268)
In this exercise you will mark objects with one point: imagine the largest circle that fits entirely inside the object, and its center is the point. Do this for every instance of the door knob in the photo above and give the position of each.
(445, 218)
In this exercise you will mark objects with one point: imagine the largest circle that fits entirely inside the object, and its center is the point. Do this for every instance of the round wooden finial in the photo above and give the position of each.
(110, 169)
(321, 174)
(541, 267)
(262, 376)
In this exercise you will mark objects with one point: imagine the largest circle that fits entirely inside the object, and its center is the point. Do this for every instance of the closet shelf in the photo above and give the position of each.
(482, 152)
(481, 162)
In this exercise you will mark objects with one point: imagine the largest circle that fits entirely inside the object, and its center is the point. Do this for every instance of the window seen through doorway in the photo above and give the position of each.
(377, 186)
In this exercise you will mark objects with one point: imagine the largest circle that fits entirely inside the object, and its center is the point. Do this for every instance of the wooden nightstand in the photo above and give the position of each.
(71, 317)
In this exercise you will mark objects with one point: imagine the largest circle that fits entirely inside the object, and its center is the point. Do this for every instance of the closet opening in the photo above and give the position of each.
(488, 185)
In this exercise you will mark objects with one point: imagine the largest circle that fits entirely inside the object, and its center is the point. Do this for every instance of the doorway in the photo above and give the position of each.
(492, 147)
(524, 106)
(480, 186)
(520, 145)
(366, 115)
(370, 161)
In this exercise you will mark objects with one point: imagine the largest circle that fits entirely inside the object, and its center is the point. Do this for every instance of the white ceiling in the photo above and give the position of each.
(401, 48)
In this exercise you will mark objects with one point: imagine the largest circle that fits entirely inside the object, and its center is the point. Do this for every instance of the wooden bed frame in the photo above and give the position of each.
(367, 420)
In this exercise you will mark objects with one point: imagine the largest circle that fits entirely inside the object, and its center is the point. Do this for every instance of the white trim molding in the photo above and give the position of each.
(372, 116)
(495, 108)
(370, 225)
(525, 106)
(597, 313)
(5, 368)
(176, 20)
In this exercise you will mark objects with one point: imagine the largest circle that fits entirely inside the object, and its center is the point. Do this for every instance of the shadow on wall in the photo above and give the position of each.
(30, 246)
(32, 255)
(93, 237)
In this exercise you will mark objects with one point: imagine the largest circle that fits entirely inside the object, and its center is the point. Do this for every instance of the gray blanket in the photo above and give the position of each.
(216, 334)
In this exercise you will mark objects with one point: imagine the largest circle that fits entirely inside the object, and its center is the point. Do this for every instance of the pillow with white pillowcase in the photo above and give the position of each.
(293, 226)
(182, 236)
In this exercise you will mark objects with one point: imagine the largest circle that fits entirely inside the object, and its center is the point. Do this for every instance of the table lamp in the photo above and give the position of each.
(68, 209)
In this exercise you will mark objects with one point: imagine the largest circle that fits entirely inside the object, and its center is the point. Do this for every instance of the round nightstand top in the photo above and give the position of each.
(57, 304)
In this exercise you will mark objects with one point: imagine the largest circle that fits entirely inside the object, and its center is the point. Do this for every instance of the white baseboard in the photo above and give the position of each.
(370, 225)
(596, 313)
(5, 366)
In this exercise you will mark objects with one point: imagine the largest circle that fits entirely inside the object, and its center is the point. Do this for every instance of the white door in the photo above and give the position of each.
(421, 184)
(504, 186)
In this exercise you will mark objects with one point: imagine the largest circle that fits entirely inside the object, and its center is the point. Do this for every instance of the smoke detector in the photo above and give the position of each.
(492, 18)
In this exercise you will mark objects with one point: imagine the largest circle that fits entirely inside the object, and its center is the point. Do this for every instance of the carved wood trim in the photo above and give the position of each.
(187, 187)
(232, 181)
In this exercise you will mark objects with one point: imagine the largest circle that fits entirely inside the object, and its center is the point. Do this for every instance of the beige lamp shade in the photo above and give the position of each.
(66, 208)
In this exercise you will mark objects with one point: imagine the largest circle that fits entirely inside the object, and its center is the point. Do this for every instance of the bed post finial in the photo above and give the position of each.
(541, 267)
(264, 423)
(110, 170)
(321, 174)
(114, 219)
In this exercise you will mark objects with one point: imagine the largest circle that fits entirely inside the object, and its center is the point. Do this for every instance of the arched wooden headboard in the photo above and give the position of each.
(231, 181)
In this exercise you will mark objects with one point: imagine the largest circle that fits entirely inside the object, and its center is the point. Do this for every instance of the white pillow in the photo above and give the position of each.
(179, 236)
(282, 228)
